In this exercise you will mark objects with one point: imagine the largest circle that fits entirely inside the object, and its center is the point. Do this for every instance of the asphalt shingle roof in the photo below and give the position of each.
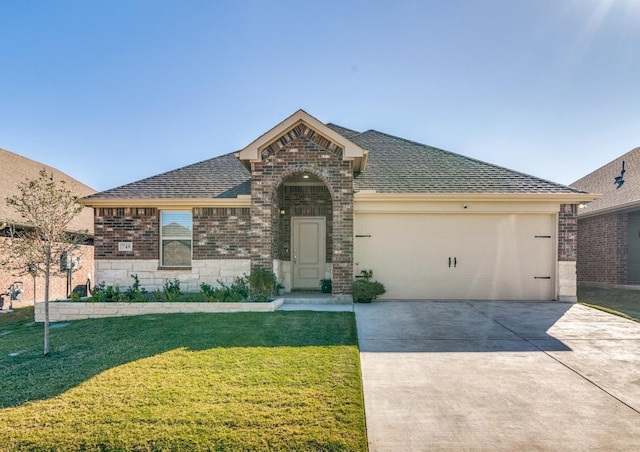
(17, 169)
(397, 165)
(394, 165)
(602, 181)
(219, 177)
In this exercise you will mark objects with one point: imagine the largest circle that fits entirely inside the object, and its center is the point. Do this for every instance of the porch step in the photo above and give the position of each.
(314, 298)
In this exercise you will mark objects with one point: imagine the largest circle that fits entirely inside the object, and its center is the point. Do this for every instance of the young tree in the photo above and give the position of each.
(42, 237)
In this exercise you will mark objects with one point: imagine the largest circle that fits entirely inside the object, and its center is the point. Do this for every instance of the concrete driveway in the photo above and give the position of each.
(498, 376)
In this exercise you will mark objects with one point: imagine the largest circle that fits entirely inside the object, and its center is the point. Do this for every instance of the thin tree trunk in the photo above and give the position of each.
(47, 273)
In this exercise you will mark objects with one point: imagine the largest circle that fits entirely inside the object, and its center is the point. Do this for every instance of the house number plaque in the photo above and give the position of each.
(125, 246)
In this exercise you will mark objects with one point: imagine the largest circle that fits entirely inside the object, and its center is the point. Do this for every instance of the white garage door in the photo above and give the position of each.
(459, 257)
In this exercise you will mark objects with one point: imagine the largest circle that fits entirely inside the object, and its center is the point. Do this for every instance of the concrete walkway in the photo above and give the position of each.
(498, 376)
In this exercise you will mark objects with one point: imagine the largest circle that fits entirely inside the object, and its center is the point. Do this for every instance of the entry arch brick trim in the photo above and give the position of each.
(301, 155)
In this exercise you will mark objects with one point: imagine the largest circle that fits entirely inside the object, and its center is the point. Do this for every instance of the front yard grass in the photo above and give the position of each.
(242, 381)
(623, 302)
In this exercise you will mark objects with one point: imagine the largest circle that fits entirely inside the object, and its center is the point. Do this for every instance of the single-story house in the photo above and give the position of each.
(17, 169)
(310, 200)
(609, 227)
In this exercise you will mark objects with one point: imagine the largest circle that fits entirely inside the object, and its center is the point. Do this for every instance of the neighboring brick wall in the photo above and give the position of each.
(302, 150)
(568, 233)
(221, 233)
(57, 283)
(602, 249)
(127, 224)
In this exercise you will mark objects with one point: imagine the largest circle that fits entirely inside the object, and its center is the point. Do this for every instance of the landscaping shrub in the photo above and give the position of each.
(238, 291)
(365, 290)
(258, 286)
(102, 292)
(171, 290)
(262, 284)
(135, 292)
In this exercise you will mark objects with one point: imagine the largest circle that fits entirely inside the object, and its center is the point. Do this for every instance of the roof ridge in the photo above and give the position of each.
(492, 165)
(335, 126)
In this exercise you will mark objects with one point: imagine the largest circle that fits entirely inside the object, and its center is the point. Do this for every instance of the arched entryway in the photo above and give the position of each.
(303, 231)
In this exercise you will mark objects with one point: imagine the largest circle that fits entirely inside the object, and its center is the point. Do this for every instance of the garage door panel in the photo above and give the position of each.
(492, 256)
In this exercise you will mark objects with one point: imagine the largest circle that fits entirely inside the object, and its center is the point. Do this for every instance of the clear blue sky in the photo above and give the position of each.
(114, 91)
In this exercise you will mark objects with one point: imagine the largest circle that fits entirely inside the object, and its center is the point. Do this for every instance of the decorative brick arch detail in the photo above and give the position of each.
(293, 153)
(292, 172)
(302, 131)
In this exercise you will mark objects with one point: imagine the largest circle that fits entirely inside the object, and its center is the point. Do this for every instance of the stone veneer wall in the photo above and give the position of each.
(118, 271)
(65, 311)
(567, 252)
(302, 150)
(602, 249)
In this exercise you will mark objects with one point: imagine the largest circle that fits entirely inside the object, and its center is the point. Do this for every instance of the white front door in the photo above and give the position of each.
(308, 251)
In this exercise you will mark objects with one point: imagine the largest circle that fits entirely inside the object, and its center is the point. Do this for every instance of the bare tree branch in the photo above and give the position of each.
(47, 208)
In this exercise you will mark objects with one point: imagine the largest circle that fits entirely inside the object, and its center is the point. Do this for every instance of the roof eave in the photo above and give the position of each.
(626, 207)
(164, 203)
(565, 198)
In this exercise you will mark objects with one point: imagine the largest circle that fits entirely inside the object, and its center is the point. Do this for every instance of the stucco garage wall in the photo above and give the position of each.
(465, 250)
(438, 256)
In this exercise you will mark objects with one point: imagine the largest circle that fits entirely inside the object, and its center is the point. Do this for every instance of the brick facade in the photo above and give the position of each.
(568, 233)
(218, 233)
(602, 254)
(302, 150)
(221, 233)
(141, 226)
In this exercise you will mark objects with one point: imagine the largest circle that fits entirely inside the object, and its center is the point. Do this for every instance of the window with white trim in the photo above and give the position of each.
(175, 238)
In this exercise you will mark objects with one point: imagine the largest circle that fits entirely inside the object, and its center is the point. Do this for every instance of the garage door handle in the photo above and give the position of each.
(455, 262)
(449, 262)
(542, 277)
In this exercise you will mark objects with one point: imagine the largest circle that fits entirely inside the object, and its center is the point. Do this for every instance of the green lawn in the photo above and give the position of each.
(617, 301)
(245, 381)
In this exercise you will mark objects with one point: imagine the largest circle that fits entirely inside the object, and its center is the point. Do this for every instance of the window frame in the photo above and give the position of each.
(163, 238)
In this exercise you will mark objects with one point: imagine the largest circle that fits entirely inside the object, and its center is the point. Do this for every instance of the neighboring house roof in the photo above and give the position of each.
(394, 165)
(17, 169)
(603, 181)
